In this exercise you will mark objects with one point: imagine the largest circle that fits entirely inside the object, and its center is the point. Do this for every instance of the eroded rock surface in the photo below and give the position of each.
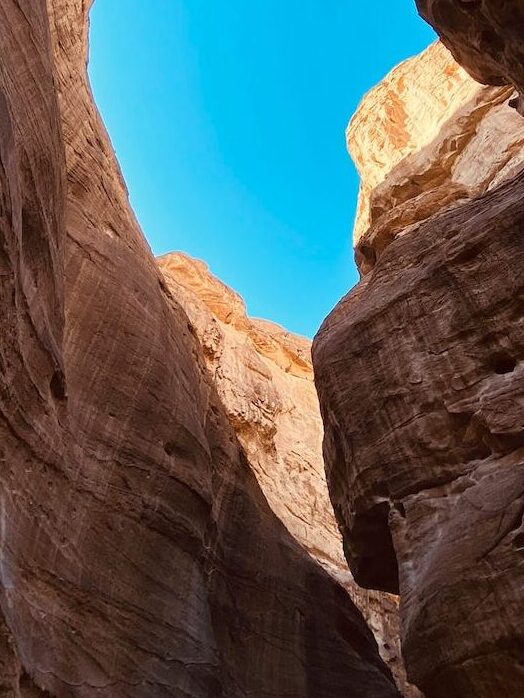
(264, 378)
(425, 139)
(139, 556)
(420, 375)
(485, 36)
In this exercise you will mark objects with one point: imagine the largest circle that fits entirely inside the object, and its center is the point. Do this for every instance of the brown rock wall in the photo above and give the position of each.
(424, 441)
(264, 377)
(138, 554)
(418, 368)
(485, 36)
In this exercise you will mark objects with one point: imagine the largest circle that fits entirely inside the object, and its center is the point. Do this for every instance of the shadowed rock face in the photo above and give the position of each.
(264, 378)
(419, 373)
(485, 36)
(138, 554)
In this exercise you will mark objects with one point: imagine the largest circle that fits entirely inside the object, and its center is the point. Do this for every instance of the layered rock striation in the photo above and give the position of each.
(428, 138)
(485, 36)
(139, 554)
(264, 378)
(420, 374)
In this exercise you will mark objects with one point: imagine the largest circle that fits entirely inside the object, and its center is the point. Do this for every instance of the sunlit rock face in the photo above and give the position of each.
(428, 138)
(264, 378)
(400, 116)
(420, 375)
(139, 556)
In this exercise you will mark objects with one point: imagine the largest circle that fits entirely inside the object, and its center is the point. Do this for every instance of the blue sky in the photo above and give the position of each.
(228, 119)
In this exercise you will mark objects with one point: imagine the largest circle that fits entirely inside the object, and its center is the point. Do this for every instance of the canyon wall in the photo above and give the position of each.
(485, 37)
(419, 369)
(264, 378)
(427, 138)
(140, 554)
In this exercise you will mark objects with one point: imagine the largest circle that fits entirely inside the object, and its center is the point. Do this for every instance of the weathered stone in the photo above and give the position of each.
(138, 554)
(419, 373)
(485, 36)
(428, 138)
(264, 378)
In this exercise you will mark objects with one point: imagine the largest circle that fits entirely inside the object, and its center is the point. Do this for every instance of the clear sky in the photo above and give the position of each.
(228, 119)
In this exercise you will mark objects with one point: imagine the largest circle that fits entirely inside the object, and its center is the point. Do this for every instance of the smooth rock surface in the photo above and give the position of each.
(139, 556)
(420, 375)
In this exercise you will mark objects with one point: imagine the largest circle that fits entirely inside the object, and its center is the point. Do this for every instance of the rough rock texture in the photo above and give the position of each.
(138, 554)
(401, 115)
(420, 375)
(485, 36)
(264, 378)
(427, 138)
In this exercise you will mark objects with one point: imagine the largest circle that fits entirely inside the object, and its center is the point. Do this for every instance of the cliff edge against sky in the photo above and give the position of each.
(139, 554)
(419, 368)
(165, 525)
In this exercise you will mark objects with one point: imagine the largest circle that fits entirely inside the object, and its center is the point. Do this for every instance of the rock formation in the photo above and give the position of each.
(427, 138)
(419, 368)
(264, 378)
(139, 556)
(485, 36)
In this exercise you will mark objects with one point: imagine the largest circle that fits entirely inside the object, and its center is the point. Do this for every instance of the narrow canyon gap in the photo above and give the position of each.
(165, 528)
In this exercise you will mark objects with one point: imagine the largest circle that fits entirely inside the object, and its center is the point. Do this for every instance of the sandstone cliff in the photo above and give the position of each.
(429, 137)
(485, 36)
(139, 555)
(264, 378)
(419, 368)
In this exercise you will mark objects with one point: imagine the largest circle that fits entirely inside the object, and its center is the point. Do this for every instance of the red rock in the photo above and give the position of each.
(138, 554)
(264, 378)
(419, 373)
